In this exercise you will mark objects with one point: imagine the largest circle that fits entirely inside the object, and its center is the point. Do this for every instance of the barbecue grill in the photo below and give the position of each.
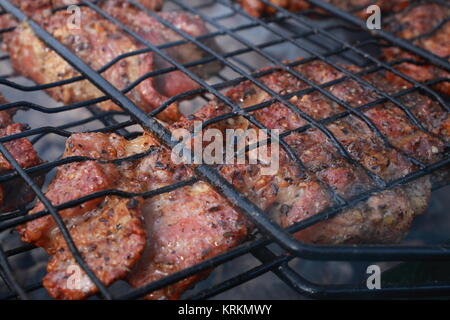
(274, 247)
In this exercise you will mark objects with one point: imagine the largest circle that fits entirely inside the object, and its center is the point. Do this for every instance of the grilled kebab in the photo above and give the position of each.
(193, 223)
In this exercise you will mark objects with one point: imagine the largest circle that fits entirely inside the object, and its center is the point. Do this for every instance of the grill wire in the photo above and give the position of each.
(289, 28)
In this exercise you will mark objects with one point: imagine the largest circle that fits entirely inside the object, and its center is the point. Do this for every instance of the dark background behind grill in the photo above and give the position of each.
(28, 265)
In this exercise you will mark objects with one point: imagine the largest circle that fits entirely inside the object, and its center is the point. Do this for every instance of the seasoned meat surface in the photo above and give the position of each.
(108, 230)
(29, 7)
(258, 8)
(110, 238)
(293, 194)
(427, 26)
(193, 223)
(99, 41)
(153, 31)
(16, 193)
(184, 226)
(172, 83)
(154, 5)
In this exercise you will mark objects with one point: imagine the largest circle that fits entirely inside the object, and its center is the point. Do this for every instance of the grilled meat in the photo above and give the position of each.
(149, 28)
(185, 226)
(110, 238)
(258, 9)
(203, 226)
(193, 223)
(427, 26)
(152, 30)
(154, 5)
(108, 230)
(31, 7)
(16, 193)
(296, 194)
(97, 43)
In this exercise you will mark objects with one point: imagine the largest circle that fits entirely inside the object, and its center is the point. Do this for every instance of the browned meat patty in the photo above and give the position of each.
(427, 26)
(258, 9)
(97, 43)
(16, 193)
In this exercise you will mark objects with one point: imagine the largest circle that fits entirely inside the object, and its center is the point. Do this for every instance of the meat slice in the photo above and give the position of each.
(108, 231)
(110, 238)
(185, 226)
(427, 26)
(154, 5)
(99, 41)
(293, 194)
(259, 9)
(152, 30)
(193, 223)
(16, 193)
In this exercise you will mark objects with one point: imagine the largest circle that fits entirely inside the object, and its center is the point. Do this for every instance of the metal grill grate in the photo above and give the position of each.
(304, 39)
